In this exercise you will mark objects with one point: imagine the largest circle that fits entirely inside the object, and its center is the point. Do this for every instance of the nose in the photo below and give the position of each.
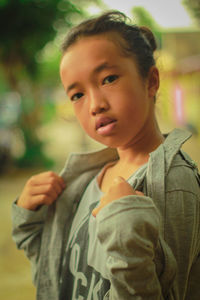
(98, 102)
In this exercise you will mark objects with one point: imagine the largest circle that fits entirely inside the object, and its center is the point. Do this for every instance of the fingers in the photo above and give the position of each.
(48, 189)
(46, 178)
(139, 193)
(96, 211)
(120, 183)
(39, 200)
(43, 188)
(118, 189)
(118, 179)
(50, 185)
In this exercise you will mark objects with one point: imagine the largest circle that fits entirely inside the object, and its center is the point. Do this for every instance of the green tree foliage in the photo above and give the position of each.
(193, 7)
(26, 26)
(144, 18)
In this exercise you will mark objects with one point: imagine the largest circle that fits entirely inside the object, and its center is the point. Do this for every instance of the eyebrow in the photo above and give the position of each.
(98, 69)
(103, 66)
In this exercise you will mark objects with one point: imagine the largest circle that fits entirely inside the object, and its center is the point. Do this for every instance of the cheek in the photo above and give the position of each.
(82, 116)
(134, 108)
(128, 102)
(79, 112)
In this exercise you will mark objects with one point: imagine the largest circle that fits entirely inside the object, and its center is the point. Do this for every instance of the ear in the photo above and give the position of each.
(153, 81)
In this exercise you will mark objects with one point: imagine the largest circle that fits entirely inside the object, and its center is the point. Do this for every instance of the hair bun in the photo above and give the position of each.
(148, 35)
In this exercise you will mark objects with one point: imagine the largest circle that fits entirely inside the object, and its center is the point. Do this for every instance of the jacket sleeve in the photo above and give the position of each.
(128, 229)
(27, 231)
(194, 281)
(182, 234)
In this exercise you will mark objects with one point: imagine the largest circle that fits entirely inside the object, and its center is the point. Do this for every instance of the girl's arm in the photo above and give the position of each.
(129, 230)
(27, 229)
(29, 213)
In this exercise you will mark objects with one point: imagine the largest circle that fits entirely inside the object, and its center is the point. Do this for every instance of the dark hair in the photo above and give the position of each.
(136, 41)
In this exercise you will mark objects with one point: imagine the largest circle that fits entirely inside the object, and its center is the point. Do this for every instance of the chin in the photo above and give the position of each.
(109, 142)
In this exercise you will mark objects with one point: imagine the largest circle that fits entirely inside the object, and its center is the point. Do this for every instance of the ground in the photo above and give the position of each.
(15, 283)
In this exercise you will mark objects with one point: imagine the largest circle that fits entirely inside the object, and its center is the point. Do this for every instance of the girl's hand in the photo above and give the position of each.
(119, 188)
(40, 189)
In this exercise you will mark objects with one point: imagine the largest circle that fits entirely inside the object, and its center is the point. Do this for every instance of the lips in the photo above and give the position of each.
(103, 122)
(105, 125)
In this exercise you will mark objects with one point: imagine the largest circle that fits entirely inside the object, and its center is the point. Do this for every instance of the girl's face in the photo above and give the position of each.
(114, 105)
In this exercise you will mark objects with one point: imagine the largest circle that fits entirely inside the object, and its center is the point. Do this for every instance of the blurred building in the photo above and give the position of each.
(183, 48)
(181, 43)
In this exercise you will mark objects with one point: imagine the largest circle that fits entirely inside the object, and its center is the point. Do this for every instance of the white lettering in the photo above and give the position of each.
(97, 289)
(91, 287)
(80, 279)
(74, 261)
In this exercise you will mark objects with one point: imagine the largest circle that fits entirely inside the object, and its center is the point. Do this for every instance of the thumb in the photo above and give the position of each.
(139, 193)
(118, 179)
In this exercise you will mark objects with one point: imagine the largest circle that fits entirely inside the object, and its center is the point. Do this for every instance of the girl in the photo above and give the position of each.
(122, 223)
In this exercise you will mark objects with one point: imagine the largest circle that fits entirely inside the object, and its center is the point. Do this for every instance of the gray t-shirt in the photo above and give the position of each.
(80, 280)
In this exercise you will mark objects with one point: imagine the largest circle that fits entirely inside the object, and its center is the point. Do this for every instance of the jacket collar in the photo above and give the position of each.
(173, 143)
(82, 162)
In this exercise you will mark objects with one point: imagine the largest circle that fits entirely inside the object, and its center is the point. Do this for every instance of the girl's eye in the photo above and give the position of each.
(76, 96)
(110, 79)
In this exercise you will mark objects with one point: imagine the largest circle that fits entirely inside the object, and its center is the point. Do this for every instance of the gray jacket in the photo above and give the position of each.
(154, 255)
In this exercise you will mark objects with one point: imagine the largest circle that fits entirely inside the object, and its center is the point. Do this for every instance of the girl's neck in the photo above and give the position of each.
(131, 157)
(137, 152)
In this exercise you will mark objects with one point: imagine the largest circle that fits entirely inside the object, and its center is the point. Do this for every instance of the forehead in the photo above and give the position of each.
(93, 48)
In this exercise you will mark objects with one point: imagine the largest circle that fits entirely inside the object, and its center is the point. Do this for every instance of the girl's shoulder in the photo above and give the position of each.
(183, 174)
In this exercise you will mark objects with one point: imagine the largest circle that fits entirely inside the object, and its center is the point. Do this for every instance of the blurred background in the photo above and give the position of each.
(37, 126)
